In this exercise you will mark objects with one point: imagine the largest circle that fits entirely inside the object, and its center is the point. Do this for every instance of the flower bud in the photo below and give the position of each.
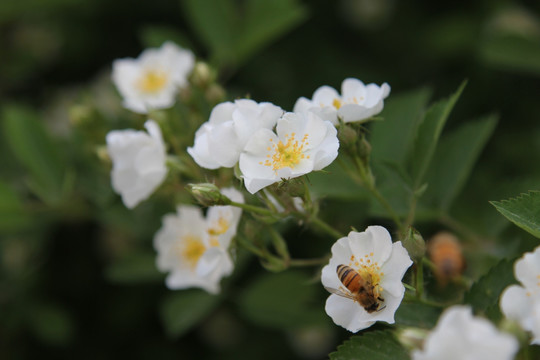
(364, 149)
(415, 244)
(80, 114)
(202, 74)
(208, 194)
(103, 154)
(293, 187)
(347, 136)
(412, 338)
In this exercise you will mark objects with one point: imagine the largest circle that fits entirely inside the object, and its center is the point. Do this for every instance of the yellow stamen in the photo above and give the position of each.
(152, 81)
(287, 155)
(192, 250)
(220, 228)
(337, 103)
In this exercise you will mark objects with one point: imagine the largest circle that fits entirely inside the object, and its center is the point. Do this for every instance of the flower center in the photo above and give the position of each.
(219, 228)
(152, 81)
(192, 250)
(366, 266)
(337, 103)
(288, 154)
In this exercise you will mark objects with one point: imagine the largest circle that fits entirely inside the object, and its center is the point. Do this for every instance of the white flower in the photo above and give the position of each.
(304, 143)
(138, 162)
(194, 249)
(219, 141)
(461, 336)
(522, 302)
(356, 102)
(152, 80)
(368, 287)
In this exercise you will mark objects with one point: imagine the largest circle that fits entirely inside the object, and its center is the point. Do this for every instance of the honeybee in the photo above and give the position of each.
(360, 288)
(446, 254)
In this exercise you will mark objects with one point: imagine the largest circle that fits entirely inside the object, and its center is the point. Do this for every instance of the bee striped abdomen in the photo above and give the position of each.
(349, 277)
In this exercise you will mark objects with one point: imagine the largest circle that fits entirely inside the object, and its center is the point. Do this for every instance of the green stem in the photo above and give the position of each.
(369, 183)
(420, 279)
(252, 208)
(309, 262)
(321, 225)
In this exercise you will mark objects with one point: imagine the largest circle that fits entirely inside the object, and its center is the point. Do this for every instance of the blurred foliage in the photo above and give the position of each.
(77, 274)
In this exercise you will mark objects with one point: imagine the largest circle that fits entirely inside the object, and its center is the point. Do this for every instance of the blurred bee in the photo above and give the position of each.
(360, 288)
(446, 254)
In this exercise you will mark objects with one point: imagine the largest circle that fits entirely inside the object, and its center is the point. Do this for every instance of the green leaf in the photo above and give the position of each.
(394, 137)
(283, 301)
(455, 157)
(267, 20)
(524, 211)
(134, 268)
(51, 324)
(12, 214)
(333, 182)
(182, 310)
(216, 23)
(33, 147)
(373, 345)
(485, 292)
(428, 134)
(417, 315)
(233, 33)
(513, 52)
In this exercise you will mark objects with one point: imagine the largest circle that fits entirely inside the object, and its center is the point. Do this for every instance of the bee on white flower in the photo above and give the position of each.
(364, 276)
(153, 79)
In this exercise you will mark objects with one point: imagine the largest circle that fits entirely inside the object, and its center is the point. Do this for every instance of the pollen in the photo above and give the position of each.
(152, 81)
(220, 227)
(192, 250)
(288, 154)
(336, 103)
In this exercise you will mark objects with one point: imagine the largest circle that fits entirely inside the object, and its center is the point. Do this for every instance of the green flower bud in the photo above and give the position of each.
(208, 194)
(202, 74)
(347, 136)
(415, 244)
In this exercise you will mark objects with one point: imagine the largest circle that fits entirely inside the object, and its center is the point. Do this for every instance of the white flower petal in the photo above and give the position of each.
(138, 162)
(460, 335)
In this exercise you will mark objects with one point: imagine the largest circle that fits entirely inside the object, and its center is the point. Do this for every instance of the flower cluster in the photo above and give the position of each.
(364, 276)
(461, 336)
(194, 249)
(522, 302)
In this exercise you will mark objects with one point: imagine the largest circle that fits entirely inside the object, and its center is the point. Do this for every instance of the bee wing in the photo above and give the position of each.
(340, 292)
